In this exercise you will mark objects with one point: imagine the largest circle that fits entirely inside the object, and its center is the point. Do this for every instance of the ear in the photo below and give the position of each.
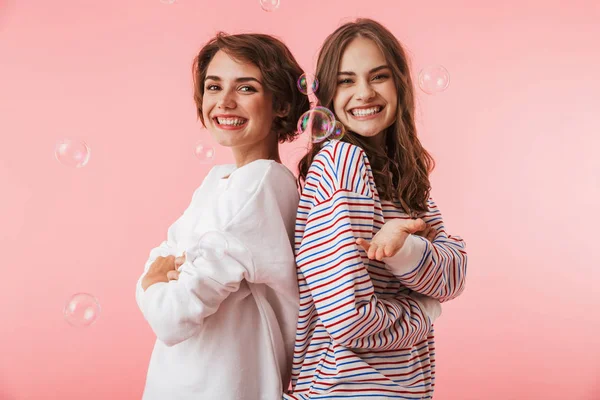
(283, 111)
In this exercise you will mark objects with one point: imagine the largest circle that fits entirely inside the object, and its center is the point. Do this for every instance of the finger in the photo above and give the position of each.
(372, 251)
(380, 253)
(172, 275)
(389, 251)
(363, 243)
(418, 225)
(432, 234)
(179, 261)
(427, 232)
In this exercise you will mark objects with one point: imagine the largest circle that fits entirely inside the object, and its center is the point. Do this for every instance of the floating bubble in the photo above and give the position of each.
(72, 153)
(308, 84)
(269, 5)
(338, 131)
(317, 122)
(434, 79)
(204, 152)
(81, 310)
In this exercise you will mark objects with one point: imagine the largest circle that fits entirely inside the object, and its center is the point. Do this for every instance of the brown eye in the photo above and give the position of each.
(381, 76)
(247, 89)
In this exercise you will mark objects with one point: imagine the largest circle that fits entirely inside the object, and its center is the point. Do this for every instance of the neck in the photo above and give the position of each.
(378, 140)
(267, 149)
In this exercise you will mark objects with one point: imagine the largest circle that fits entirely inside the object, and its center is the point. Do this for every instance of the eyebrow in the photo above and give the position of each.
(370, 72)
(238, 80)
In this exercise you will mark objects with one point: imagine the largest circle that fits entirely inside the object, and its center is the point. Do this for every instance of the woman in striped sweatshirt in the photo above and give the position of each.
(373, 255)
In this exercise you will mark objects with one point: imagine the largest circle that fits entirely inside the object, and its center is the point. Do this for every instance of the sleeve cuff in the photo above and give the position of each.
(409, 257)
(147, 294)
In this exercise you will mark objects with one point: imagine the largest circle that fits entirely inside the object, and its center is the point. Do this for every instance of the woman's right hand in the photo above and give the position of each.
(390, 238)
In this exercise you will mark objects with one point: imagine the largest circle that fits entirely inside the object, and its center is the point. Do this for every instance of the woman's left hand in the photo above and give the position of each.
(428, 233)
(163, 269)
(390, 238)
(158, 271)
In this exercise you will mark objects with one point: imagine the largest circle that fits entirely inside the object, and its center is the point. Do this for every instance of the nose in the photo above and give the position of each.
(365, 91)
(226, 101)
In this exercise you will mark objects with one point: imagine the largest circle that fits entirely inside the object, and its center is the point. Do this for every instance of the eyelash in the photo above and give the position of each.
(209, 88)
(348, 80)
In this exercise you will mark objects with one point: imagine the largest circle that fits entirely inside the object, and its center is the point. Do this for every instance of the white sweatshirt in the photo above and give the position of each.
(226, 327)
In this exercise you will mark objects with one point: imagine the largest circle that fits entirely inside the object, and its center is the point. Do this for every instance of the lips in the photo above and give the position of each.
(229, 121)
(366, 111)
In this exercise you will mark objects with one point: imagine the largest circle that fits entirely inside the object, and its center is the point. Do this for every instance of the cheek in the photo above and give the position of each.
(339, 104)
(393, 107)
(254, 105)
(205, 107)
(259, 112)
(391, 95)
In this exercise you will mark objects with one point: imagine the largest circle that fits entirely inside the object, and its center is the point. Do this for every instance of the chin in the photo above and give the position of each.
(226, 142)
(366, 132)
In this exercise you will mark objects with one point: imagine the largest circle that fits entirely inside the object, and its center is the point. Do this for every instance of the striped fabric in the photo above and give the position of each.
(360, 335)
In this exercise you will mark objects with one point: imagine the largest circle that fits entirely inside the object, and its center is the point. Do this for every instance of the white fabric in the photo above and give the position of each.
(226, 328)
(408, 257)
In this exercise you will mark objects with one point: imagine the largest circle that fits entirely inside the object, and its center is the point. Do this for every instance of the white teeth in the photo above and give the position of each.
(231, 121)
(365, 111)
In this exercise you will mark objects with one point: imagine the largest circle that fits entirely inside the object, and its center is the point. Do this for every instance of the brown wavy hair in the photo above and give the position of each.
(280, 72)
(401, 170)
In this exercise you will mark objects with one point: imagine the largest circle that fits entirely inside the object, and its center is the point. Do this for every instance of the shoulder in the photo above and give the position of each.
(342, 165)
(262, 171)
(217, 172)
(265, 175)
(213, 176)
(335, 151)
(277, 172)
(280, 182)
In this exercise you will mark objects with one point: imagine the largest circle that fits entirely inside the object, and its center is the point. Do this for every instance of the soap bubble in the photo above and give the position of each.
(434, 79)
(317, 122)
(72, 153)
(81, 310)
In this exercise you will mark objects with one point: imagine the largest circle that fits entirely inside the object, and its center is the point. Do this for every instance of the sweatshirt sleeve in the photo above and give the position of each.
(177, 309)
(169, 247)
(331, 264)
(266, 228)
(166, 248)
(255, 234)
(437, 269)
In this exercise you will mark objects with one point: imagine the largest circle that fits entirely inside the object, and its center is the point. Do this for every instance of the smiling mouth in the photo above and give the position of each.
(230, 122)
(366, 112)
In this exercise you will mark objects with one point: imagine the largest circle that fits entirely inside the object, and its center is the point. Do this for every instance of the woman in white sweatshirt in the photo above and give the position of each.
(225, 319)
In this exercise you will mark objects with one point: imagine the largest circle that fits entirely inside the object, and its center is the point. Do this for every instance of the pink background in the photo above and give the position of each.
(515, 137)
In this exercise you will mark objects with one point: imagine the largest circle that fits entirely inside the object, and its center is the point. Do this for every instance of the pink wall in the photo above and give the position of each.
(515, 136)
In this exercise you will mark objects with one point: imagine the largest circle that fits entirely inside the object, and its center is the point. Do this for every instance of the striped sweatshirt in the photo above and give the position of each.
(360, 334)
